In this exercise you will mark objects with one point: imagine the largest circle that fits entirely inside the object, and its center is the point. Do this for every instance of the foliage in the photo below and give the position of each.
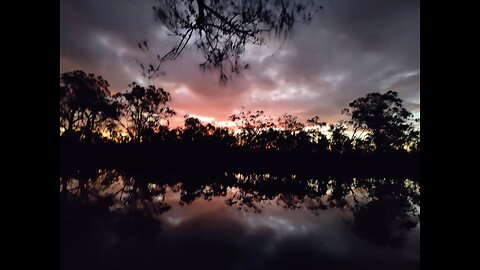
(144, 109)
(84, 103)
(387, 123)
(223, 28)
(378, 122)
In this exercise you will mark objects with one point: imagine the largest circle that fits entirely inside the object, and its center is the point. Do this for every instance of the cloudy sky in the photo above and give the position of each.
(351, 48)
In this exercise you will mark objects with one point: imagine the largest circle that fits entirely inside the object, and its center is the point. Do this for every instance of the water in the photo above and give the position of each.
(239, 221)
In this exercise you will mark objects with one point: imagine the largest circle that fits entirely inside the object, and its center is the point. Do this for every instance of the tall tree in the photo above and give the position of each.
(339, 141)
(382, 116)
(195, 130)
(222, 28)
(143, 109)
(252, 125)
(85, 103)
(290, 135)
(315, 133)
(290, 123)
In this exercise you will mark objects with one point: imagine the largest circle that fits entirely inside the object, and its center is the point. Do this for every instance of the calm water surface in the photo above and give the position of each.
(236, 221)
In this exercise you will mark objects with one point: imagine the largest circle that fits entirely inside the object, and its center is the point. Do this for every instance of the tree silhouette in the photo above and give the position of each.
(315, 134)
(195, 130)
(261, 142)
(339, 141)
(253, 126)
(315, 121)
(223, 28)
(85, 103)
(384, 118)
(143, 109)
(291, 135)
(290, 123)
(413, 136)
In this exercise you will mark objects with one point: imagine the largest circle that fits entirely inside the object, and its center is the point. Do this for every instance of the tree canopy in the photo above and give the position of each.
(87, 109)
(143, 108)
(387, 123)
(84, 102)
(221, 29)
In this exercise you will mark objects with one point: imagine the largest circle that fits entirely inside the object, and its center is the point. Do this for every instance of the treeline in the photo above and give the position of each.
(131, 129)
(89, 113)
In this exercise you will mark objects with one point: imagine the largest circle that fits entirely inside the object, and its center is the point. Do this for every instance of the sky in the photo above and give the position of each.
(351, 48)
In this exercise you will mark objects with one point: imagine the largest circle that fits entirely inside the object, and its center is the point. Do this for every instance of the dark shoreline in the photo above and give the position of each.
(158, 159)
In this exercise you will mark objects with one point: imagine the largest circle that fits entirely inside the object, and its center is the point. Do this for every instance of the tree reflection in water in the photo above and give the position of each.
(126, 212)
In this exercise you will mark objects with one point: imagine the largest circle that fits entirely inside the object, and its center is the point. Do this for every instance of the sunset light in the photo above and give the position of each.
(239, 134)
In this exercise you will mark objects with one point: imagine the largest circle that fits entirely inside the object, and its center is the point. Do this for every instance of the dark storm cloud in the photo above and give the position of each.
(101, 37)
(350, 49)
(353, 48)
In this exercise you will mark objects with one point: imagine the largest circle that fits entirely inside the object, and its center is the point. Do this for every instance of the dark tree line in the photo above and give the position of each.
(378, 122)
